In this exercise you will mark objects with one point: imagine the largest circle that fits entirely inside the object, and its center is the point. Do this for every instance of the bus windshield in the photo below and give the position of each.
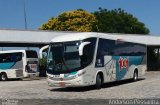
(64, 57)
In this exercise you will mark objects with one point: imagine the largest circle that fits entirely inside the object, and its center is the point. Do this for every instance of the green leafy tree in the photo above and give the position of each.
(119, 21)
(43, 65)
(77, 20)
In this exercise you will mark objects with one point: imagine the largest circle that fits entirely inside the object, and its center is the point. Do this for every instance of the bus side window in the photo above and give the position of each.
(89, 51)
(105, 48)
(100, 55)
(1, 58)
(13, 57)
(8, 58)
(87, 56)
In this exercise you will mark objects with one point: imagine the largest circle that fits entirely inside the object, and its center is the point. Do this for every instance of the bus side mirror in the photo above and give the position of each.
(81, 47)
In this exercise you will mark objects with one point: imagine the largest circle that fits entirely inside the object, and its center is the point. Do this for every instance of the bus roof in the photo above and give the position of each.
(74, 36)
(135, 38)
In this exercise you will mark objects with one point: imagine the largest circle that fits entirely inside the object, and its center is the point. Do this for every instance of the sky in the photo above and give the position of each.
(39, 11)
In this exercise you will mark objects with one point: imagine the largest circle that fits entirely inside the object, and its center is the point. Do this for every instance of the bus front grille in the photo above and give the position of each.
(64, 79)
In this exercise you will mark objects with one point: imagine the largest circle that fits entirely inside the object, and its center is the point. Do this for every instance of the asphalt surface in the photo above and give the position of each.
(36, 92)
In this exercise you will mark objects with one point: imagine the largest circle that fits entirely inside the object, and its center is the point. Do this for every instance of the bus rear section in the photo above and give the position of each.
(31, 64)
(11, 65)
(18, 64)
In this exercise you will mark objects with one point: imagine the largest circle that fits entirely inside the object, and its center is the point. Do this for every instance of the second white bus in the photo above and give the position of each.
(18, 64)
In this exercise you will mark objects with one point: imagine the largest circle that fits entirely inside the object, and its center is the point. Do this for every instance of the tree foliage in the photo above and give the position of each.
(78, 20)
(119, 21)
(103, 20)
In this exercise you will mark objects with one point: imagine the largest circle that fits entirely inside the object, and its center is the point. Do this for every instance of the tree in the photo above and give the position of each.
(119, 21)
(108, 21)
(78, 20)
(43, 66)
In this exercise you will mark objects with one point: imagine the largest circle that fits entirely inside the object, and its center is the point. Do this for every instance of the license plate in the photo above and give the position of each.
(62, 84)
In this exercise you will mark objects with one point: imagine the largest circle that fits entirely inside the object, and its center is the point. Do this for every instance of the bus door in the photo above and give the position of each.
(110, 67)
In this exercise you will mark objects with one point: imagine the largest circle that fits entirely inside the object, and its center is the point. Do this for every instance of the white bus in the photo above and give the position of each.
(18, 64)
(85, 59)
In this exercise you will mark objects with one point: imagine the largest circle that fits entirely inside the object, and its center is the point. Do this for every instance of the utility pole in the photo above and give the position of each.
(25, 15)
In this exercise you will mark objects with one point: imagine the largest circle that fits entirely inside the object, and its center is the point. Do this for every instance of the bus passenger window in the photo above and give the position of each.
(86, 57)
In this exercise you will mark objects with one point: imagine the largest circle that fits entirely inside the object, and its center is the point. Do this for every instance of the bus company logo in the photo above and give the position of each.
(123, 63)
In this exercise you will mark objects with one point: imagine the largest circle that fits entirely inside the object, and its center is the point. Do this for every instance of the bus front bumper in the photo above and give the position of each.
(77, 82)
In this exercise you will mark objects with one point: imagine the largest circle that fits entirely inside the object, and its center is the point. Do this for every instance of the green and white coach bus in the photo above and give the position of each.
(18, 64)
(83, 59)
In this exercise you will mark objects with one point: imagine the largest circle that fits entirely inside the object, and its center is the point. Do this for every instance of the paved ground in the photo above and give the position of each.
(38, 89)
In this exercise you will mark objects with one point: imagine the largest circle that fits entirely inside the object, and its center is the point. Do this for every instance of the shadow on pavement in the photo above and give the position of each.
(89, 88)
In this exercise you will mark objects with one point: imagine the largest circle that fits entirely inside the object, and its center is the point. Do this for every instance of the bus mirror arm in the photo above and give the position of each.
(81, 47)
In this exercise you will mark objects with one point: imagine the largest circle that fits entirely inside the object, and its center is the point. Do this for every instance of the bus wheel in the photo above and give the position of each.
(98, 81)
(3, 76)
(135, 75)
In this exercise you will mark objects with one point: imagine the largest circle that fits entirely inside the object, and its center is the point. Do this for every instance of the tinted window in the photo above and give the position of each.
(10, 57)
(88, 51)
(112, 47)
(31, 54)
(64, 57)
(117, 48)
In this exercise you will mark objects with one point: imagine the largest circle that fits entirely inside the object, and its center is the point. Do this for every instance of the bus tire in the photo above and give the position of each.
(98, 82)
(135, 75)
(3, 77)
